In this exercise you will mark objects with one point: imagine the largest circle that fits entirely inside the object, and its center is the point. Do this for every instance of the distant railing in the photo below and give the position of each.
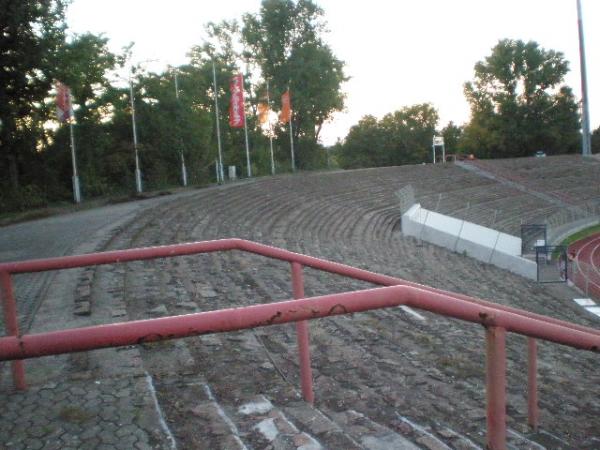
(497, 319)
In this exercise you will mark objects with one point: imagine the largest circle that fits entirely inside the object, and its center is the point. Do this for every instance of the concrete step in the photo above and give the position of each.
(262, 424)
(370, 434)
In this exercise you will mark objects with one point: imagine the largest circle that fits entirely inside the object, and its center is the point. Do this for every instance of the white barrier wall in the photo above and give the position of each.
(482, 243)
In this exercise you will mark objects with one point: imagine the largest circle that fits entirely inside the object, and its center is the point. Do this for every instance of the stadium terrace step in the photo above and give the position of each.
(383, 376)
(370, 434)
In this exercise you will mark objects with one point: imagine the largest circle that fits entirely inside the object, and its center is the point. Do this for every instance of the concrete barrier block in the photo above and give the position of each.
(511, 245)
(481, 243)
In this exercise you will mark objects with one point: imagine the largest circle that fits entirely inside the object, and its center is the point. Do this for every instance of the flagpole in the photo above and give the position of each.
(270, 131)
(220, 168)
(586, 145)
(292, 136)
(76, 189)
(246, 136)
(183, 168)
(138, 173)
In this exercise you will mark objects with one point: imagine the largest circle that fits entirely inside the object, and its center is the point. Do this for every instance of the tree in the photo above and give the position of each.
(220, 50)
(402, 137)
(363, 145)
(32, 31)
(452, 135)
(284, 40)
(596, 141)
(519, 104)
(169, 126)
(85, 62)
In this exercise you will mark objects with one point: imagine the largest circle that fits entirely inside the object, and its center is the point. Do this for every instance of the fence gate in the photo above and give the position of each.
(552, 264)
(532, 236)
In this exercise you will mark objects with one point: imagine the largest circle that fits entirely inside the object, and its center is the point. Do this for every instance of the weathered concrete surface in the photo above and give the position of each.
(380, 377)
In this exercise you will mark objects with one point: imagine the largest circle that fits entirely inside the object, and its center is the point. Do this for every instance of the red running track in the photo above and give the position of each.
(585, 270)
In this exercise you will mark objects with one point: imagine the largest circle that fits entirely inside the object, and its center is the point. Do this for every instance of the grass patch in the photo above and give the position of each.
(582, 234)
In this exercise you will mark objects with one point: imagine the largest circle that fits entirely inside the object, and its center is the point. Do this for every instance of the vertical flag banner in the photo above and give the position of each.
(236, 105)
(63, 102)
(286, 108)
(64, 112)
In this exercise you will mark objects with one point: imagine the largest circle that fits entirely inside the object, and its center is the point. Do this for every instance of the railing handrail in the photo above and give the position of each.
(234, 319)
(136, 254)
(497, 319)
(118, 256)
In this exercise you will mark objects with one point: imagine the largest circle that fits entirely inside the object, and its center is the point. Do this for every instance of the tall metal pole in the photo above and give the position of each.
(183, 168)
(138, 173)
(586, 144)
(270, 131)
(76, 188)
(291, 134)
(220, 171)
(292, 144)
(249, 166)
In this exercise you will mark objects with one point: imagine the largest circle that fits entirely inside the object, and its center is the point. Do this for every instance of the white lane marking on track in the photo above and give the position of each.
(580, 263)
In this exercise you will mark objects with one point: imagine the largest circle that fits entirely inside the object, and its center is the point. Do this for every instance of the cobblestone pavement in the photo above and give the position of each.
(385, 379)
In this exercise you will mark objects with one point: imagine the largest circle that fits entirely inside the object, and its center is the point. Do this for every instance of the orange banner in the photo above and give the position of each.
(286, 107)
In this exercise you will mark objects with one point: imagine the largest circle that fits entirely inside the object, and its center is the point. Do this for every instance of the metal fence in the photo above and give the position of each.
(552, 264)
(532, 236)
(585, 212)
(406, 197)
(497, 319)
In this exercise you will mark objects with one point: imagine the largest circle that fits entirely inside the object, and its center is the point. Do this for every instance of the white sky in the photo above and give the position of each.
(397, 52)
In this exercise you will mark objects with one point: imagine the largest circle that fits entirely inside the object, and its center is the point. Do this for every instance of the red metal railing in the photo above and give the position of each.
(497, 319)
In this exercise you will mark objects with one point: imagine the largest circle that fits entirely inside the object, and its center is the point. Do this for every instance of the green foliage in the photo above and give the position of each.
(519, 105)
(281, 43)
(452, 135)
(581, 234)
(402, 137)
(32, 31)
(285, 40)
(23, 198)
(596, 141)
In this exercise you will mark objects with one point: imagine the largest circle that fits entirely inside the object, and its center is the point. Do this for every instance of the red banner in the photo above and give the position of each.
(63, 102)
(236, 105)
(286, 108)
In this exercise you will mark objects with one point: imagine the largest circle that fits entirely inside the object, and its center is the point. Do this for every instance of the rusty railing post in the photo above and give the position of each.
(496, 387)
(303, 339)
(11, 325)
(532, 394)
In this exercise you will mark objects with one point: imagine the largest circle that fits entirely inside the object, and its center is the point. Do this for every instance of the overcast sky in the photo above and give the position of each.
(397, 52)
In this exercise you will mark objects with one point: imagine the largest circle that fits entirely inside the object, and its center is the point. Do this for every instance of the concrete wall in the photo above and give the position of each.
(484, 244)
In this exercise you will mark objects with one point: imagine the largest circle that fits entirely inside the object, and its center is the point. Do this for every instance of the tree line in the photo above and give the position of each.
(282, 43)
(519, 105)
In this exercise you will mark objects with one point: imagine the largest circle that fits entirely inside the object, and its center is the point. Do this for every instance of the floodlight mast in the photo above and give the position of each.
(181, 156)
(138, 173)
(586, 144)
(220, 161)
